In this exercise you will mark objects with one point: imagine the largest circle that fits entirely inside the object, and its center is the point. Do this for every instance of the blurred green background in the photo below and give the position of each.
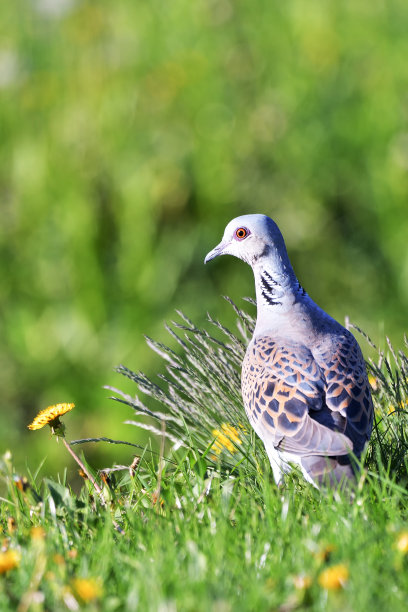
(133, 131)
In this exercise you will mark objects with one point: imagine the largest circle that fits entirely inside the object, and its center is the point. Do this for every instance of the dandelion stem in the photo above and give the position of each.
(86, 471)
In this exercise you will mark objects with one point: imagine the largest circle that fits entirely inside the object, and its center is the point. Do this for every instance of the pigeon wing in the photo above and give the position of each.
(281, 384)
(347, 387)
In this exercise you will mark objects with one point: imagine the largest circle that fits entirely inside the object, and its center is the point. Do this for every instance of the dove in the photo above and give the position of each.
(304, 383)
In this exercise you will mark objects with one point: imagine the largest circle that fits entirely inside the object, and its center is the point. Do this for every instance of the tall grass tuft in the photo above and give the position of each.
(198, 404)
(388, 450)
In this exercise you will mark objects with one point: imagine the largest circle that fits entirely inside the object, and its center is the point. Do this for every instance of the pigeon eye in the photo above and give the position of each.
(241, 233)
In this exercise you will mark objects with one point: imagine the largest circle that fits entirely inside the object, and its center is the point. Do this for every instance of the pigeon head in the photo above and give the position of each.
(251, 238)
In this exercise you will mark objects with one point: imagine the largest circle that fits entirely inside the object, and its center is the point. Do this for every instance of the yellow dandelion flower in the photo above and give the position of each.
(400, 406)
(231, 432)
(302, 582)
(373, 382)
(221, 442)
(37, 533)
(87, 589)
(402, 542)
(227, 438)
(334, 577)
(58, 559)
(50, 416)
(11, 524)
(9, 560)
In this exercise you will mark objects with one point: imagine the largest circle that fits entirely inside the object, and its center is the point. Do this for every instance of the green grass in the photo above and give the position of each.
(195, 530)
(236, 546)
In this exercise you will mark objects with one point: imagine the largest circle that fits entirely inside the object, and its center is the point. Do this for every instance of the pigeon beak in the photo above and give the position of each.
(218, 250)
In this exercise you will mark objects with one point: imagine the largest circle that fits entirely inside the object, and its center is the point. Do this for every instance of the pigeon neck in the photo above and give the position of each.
(276, 285)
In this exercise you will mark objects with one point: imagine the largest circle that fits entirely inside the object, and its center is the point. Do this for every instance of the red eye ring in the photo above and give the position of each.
(241, 233)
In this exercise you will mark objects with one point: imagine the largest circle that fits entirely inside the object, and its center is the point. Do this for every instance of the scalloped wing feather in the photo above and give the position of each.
(280, 385)
(348, 391)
